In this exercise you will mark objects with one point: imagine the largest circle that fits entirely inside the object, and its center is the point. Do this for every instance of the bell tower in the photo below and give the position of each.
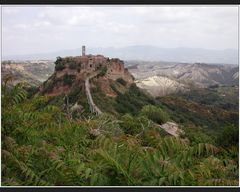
(83, 50)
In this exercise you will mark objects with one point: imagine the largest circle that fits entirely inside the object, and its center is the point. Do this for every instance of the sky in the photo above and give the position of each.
(42, 29)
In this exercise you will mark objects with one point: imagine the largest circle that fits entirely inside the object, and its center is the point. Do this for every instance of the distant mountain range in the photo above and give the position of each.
(149, 53)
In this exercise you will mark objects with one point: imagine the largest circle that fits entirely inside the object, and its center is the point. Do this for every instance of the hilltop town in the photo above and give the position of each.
(85, 64)
(74, 71)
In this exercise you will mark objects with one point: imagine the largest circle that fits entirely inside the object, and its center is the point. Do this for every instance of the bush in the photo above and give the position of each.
(31, 91)
(196, 135)
(68, 79)
(42, 146)
(59, 65)
(48, 86)
(229, 136)
(103, 71)
(73, 95)
(154, 113)
(121, 81)
(133, 125)
(132, 101)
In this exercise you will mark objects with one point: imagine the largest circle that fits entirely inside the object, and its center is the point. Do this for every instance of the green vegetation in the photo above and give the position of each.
(41, 145)
(132, 101)
(68, 79)
(121, 81)
(224, 97)
(102, 71)
(71, 63)
(229, 136)
(48, 86)
(211, 118)
(99, 97)
(59, 65)
(134, 125)
(154, 113)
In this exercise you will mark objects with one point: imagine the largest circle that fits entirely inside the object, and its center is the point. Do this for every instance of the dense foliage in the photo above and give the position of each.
(41, 145)
(68, 79)
(122, 81)
(132, 101)
(59, 65)
(154, 113)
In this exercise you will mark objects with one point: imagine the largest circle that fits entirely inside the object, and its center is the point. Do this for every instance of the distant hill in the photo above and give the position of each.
(31, 72)
(163, 78)
(150, 53)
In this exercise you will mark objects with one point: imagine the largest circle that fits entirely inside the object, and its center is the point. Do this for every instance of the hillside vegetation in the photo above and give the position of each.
(43, 143)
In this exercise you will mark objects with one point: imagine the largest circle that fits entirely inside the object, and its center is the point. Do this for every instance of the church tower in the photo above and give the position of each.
(83, 50)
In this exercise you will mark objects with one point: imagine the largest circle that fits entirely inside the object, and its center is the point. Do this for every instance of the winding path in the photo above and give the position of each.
(93, 108)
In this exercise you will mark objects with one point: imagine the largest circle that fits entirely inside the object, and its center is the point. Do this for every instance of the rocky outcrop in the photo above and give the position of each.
(172, 129)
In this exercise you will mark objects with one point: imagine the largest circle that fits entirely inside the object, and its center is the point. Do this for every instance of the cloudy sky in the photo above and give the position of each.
(40, 29)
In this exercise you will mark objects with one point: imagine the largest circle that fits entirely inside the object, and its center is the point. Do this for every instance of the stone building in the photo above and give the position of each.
(90, 63)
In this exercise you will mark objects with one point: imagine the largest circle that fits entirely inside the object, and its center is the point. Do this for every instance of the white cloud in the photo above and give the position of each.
(68, 27)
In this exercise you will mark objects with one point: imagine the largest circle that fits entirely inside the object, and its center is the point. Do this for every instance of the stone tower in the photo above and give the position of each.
(83, 50)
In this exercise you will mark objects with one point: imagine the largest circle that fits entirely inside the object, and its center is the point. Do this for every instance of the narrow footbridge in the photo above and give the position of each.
(93, 108)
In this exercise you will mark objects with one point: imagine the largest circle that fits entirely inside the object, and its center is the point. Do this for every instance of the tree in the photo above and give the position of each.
(59, 65)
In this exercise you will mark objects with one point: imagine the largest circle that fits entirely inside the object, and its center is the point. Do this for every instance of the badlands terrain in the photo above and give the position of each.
(163, 78)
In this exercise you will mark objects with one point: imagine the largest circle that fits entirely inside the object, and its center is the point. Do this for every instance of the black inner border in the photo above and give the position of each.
(121, 2)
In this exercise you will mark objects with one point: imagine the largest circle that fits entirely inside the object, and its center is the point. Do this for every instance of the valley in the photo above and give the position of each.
(162, 78)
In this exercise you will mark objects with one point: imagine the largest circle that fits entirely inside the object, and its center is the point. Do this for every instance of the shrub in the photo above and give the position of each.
(59, 65)
(31, 91)
(103, 71)
(154, 113)
(73, 94)
(42, 146)
(229, 136)
(132, 101)
(48, 86)
(121, 81)
(133, 125)
(68, 79)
